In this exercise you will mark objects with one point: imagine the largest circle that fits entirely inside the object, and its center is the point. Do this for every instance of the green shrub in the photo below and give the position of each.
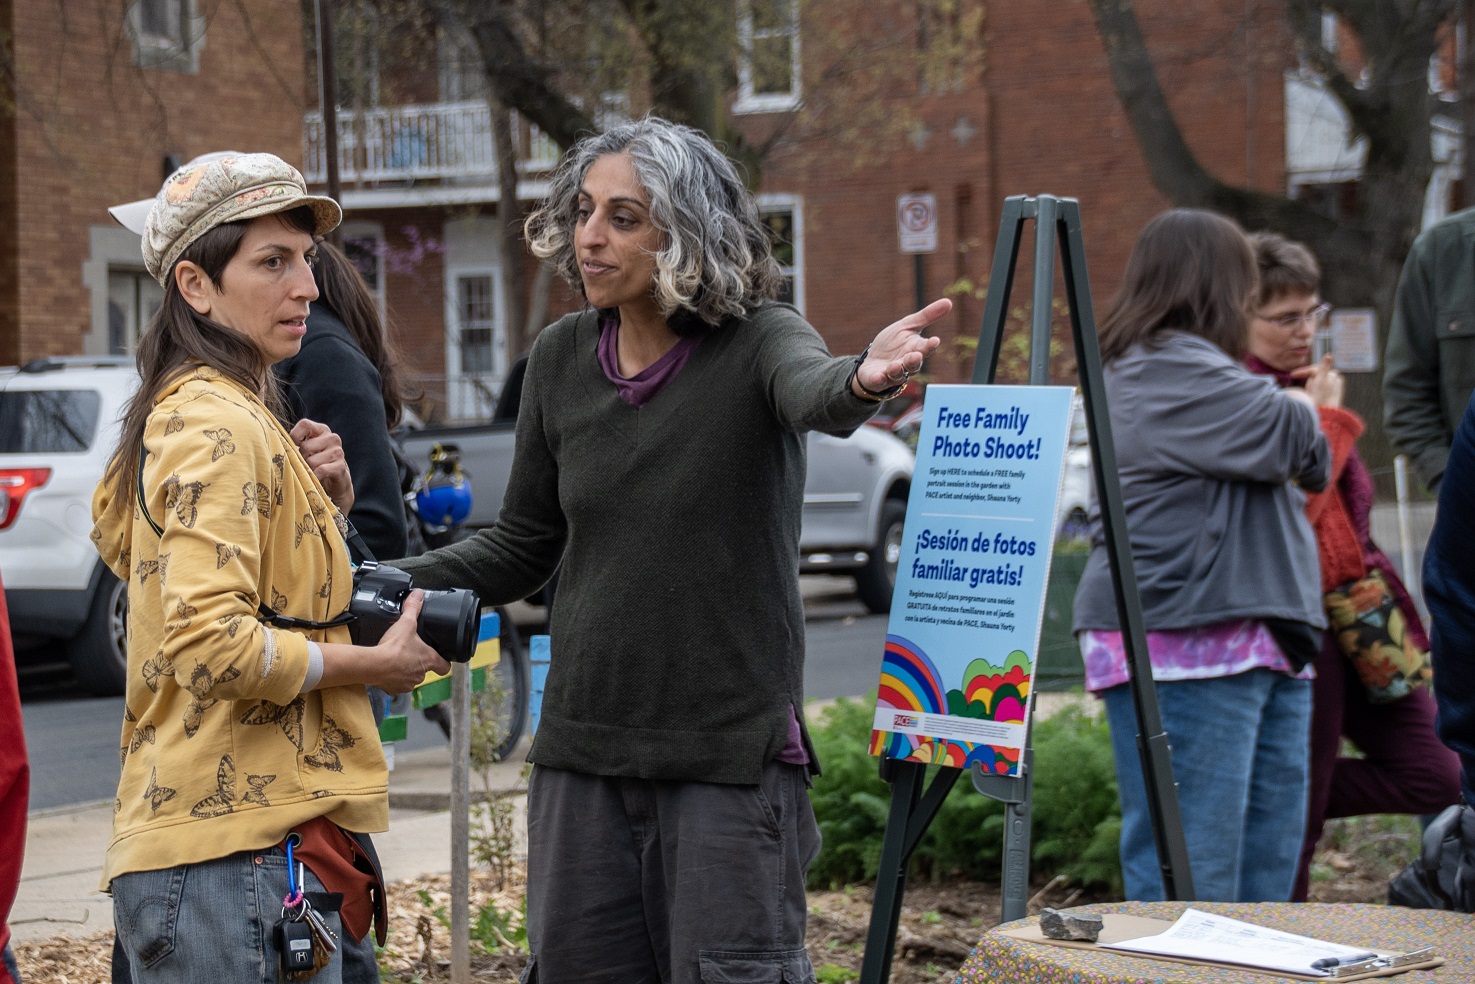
(1076, 818)
(850, 800)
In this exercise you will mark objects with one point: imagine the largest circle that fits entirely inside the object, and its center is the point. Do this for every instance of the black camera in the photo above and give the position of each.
(449, 620)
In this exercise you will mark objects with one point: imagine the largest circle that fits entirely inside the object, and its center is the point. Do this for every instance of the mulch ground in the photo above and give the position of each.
(940, 923)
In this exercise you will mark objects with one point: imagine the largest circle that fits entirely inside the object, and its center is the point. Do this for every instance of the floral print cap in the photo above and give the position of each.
(202, 195)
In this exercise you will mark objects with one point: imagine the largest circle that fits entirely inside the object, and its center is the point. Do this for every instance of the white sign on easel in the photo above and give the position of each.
(957, 673)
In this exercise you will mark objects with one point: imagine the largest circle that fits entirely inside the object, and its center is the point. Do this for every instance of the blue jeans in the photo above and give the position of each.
(1242, 765)
(214, 921)
(10, 967)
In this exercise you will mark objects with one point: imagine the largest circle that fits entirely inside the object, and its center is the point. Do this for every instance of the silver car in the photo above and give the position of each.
(59, 423)
(855, 501)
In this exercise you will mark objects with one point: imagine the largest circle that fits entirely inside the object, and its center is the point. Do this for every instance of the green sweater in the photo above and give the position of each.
(678, 635)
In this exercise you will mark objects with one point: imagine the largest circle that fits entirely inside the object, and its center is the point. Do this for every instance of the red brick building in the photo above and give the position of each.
(1038, 115)
(1019, 102)
(101, 98)
(970, 101)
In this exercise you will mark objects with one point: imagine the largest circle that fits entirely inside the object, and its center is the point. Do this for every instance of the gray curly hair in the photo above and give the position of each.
(717, 260)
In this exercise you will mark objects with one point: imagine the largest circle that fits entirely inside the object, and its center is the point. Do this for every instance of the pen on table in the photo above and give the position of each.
(1326, 963)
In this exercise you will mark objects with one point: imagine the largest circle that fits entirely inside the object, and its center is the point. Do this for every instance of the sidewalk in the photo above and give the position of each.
(64, 847)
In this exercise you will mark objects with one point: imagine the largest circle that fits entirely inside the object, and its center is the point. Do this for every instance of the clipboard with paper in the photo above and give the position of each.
(1206, 939)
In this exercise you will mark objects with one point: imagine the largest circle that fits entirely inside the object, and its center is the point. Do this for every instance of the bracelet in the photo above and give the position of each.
(871, 395)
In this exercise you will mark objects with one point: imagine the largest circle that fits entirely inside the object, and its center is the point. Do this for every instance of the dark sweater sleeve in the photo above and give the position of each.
(1449, 589)
(806, 386)
(332, 382)
(512, 559)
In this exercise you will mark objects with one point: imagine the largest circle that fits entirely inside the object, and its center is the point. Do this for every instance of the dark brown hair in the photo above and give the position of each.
(179, 339)
(1191, 270)
(1286, 267)
(342, 290)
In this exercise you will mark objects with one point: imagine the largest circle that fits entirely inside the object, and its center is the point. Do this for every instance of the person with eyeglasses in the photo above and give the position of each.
(1429, 362)
(1402, 766)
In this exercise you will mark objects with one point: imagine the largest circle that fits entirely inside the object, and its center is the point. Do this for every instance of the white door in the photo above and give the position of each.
(476, 336)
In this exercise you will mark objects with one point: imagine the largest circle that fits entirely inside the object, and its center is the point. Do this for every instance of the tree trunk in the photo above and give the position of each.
(1361, 257)
(509, 222)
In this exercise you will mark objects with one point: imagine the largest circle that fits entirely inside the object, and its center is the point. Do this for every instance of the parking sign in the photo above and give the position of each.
(916, 223)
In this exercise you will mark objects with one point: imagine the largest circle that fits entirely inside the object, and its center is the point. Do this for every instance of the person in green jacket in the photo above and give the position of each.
(1429, 366)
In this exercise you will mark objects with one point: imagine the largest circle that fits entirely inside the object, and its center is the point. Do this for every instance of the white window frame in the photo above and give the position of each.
(1329, 39)
(794, 205)
(748, 100)
(111, 248)
(472, 250)
(454, 50)
(175, 50)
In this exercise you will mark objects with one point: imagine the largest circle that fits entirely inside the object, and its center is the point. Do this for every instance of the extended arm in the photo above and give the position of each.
(518, 555)
(809, 389)
(898, 351)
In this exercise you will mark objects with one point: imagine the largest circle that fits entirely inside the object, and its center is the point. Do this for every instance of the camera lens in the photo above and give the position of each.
(448, 623)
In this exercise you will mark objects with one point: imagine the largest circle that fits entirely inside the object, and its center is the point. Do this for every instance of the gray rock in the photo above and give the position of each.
(1068, 925)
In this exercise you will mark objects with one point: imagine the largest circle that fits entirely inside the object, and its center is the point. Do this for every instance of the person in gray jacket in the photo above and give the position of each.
(1211, 460)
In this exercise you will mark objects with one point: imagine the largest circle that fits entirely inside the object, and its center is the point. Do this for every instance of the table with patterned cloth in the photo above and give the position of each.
(1000, 959)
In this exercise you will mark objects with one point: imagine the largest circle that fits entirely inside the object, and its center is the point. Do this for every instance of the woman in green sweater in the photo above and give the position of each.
(660, 457)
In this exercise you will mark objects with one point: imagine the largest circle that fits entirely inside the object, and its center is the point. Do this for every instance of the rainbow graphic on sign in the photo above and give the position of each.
(911, 687)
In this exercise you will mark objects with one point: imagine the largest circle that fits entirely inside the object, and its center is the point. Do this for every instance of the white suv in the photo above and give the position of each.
(59, 421)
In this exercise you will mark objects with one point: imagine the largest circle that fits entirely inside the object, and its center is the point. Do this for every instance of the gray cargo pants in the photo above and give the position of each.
(639, 881)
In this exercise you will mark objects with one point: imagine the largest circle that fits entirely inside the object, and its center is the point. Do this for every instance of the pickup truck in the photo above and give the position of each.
(855, 497)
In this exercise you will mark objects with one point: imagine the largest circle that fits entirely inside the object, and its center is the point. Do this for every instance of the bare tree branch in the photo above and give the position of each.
(1305, 21)
(295, 94)
(515, 78)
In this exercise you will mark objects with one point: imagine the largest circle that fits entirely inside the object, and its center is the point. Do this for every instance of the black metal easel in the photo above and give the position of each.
(912, 809)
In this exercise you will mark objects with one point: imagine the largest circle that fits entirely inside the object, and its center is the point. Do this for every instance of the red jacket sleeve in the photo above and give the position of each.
(15, 781)
(1342, 429)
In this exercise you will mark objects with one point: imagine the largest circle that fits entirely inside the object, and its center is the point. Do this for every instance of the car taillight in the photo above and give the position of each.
(14, 484)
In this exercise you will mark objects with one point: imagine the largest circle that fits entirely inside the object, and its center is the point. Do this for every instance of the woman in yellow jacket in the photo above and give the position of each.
(248, 738)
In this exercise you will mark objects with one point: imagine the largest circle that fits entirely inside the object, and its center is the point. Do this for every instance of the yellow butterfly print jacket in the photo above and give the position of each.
(220, 750)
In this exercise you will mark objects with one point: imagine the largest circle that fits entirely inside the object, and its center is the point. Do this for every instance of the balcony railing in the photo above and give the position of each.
(412, 143)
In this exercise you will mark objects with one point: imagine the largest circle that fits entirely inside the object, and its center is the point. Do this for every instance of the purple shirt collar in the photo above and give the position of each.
(640, 389)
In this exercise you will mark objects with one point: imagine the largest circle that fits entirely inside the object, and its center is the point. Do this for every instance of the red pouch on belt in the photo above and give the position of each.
(343, 867)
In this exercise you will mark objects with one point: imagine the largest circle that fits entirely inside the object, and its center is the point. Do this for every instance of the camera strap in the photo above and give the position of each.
(356, 544)
(267, 615)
